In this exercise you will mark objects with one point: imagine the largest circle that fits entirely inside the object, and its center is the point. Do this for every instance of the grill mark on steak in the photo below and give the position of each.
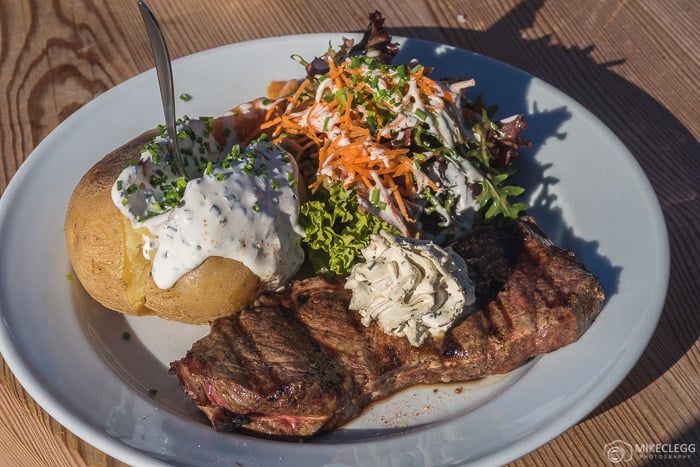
(300, 362)
(263, 361)
(324, 313)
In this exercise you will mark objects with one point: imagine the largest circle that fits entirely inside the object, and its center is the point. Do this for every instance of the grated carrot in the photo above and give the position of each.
(360, 155)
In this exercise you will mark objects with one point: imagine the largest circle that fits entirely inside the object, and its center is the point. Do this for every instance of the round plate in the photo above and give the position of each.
(73, 357)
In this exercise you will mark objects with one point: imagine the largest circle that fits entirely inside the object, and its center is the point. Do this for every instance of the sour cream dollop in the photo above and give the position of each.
(413, 288)
(244, 207)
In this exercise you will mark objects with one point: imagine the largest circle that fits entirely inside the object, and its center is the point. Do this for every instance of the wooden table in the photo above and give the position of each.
(635, 64)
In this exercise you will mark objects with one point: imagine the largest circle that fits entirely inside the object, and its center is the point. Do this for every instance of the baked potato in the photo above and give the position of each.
(106, 252)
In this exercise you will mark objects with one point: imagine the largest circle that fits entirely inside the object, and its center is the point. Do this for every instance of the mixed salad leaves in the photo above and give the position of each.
(384, 146)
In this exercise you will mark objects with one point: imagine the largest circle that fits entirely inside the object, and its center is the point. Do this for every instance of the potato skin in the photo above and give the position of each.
(94, 230)
(96, 238)
(217, 288)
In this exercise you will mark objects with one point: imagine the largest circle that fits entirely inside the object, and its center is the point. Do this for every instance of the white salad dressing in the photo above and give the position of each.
(244, 208)
(439, 113)
(413, 288)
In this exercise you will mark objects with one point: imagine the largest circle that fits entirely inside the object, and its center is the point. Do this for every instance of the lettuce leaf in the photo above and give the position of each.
(337, 229)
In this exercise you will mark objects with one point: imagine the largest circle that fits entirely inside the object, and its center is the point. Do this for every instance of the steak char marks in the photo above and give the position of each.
(299, 362)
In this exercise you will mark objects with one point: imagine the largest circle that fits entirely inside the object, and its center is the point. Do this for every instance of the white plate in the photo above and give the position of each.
(587, 192)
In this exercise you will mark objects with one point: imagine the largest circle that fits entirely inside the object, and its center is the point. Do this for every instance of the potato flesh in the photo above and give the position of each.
(136, 269)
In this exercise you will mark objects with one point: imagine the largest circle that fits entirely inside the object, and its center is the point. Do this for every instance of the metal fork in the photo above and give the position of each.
(165, 81)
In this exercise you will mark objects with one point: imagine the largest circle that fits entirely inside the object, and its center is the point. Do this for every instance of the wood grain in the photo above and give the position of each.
(635, 64)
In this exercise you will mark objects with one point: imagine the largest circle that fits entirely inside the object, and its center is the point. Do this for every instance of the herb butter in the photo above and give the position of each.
(412, 288)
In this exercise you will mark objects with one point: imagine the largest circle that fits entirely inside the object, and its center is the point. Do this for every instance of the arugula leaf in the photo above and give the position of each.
(496, 147)
(494, 198)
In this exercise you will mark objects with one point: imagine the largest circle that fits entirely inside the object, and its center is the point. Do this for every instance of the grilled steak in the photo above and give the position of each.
(300, 362)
